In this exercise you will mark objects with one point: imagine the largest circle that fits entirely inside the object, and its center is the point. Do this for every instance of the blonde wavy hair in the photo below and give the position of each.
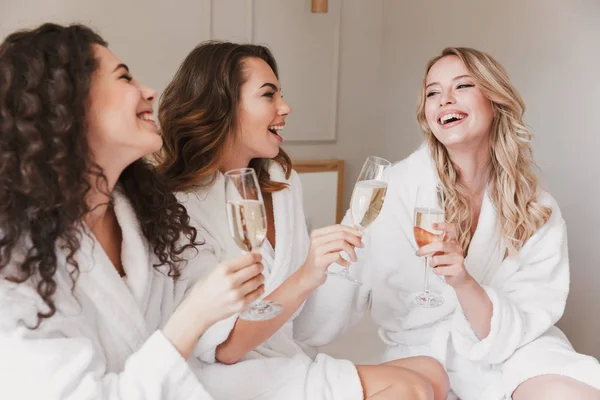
(513, 182)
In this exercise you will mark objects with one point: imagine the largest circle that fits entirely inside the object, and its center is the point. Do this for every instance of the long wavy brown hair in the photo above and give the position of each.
(45, 163)
(198, 115)
(513, 182)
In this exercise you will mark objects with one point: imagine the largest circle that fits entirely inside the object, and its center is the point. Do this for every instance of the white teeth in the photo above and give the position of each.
(276, 127)
(447, 117)
(146, 117)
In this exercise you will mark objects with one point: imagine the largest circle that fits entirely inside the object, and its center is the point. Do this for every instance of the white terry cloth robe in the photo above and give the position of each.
(528, 292)
(104, 342)
(281, 367)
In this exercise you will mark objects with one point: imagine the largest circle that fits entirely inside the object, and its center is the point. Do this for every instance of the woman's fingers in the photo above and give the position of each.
(443, 247)
(449, 229)
(317, 233)
(445, 259)
(337, 246)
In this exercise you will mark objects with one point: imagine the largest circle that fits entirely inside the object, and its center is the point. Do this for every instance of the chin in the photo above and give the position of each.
(450, 139)
(271, 153)
(152, 144)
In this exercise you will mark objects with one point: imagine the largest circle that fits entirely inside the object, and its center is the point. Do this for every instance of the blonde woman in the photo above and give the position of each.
(503, 270)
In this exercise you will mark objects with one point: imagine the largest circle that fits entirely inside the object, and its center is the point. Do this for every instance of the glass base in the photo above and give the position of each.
(428, 300)
(346, 276)
(261, 311)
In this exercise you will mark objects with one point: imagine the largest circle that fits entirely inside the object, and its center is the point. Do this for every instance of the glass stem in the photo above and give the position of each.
(344, 271)
(426, 275)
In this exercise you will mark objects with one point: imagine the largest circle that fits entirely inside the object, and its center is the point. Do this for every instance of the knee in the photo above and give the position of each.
(420, 388)
(549, 387)
(436, 373)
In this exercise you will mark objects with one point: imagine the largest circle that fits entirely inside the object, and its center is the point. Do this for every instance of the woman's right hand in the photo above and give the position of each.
(326, 245)
(231, 287)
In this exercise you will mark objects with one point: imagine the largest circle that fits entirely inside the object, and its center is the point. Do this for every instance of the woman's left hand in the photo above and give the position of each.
(448, 256)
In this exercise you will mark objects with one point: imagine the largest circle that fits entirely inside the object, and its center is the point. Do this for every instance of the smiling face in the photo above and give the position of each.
(262, 112)
(119, 115)
(456, 110)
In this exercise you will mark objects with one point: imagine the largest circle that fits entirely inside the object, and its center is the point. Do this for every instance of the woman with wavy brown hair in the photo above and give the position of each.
(92, 240)
(224, 110)
(500, 260)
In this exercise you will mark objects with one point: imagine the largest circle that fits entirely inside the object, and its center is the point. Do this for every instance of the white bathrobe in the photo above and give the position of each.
(280, 368)
(528, 292)
(104, 341)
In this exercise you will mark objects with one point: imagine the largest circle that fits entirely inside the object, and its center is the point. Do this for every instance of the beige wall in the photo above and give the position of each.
(550, 48)
(152, 37)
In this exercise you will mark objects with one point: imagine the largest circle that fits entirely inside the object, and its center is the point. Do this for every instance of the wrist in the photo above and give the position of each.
(195, 320)
(467, 284)
(305, 280)
(182, 335)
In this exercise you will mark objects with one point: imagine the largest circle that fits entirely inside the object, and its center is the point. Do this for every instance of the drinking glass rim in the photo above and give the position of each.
(379, 161)
(240, 172)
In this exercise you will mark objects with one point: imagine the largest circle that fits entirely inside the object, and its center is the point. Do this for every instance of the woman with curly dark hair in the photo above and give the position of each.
(91, 239)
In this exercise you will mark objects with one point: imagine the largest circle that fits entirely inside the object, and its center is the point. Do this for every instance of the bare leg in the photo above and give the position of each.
(431, 369)
(389, 382)
(555, 387)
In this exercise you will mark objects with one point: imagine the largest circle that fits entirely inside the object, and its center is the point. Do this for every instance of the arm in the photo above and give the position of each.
(338, 304)
(326, 244)
(448, 261)
(494, 320)
(57, 360)
(62, 356)
(476, 306)
(527, 304)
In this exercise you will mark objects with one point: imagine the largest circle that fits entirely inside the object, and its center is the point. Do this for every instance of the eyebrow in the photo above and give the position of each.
(271, 85)
(455, 79)
(121, 66)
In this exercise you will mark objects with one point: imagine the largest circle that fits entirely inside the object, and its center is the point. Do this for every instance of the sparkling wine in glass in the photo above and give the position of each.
(248, 227)
(367, 200)
(429, 210)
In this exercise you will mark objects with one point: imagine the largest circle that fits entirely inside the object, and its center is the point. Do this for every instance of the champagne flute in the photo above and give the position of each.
(367, 200)
(248, 226)
(429, 210)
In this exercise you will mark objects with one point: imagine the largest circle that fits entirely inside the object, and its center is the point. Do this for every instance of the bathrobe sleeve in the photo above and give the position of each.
(57, 361)
(526, 303)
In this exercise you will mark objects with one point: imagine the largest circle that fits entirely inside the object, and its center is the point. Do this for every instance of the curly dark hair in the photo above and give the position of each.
(198, 114)
(45, 162)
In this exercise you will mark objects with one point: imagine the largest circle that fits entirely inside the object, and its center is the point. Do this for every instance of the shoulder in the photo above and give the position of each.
(294, 180)
(406, 175)
(553, 231)
(415, 162)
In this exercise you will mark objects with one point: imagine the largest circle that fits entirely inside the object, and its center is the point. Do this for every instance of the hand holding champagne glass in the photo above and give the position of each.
(429, 210)
(367, 199)
(248, 227)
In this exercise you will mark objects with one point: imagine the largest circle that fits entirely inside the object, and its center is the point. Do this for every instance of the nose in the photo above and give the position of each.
(148, 93)
(283, 108)
(446, 98)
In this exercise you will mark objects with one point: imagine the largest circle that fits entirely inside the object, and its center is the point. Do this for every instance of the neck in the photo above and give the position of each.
(99, 196)
(235, 161)
(474, 167)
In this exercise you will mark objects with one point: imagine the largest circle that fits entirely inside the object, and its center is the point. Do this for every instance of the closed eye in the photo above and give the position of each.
(465, 85)
(269, 94)
(128, 78)
(430, 94)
